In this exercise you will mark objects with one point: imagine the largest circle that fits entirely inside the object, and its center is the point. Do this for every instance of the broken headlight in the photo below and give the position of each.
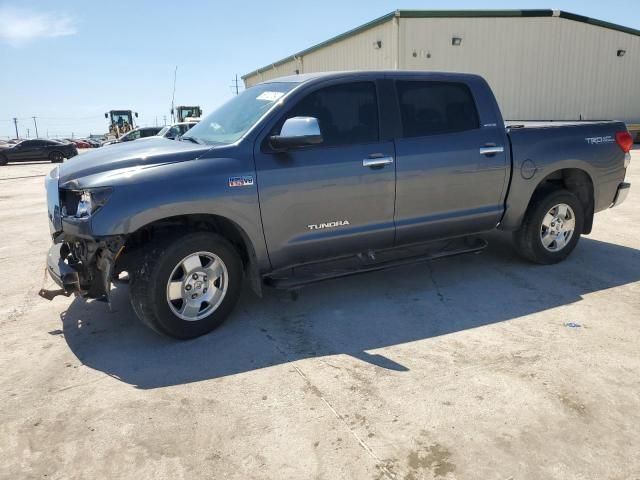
(83, 203)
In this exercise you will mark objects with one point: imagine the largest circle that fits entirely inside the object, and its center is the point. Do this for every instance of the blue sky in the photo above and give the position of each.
(68, 62)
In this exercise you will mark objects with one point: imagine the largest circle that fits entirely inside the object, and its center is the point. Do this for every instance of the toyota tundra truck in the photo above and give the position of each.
(318, 176)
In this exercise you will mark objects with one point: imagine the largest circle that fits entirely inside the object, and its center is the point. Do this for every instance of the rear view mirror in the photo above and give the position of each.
(297, 132)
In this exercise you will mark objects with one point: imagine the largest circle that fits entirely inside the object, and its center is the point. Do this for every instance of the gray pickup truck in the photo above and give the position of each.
(317, 176)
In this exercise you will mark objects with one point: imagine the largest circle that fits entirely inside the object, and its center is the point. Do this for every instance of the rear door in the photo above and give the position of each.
(325, 200)
(451, 164)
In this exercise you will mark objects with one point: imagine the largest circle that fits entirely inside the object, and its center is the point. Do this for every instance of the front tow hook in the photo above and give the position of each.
(51, 294)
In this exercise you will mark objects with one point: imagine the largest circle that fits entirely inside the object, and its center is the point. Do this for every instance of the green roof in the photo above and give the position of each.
(450, 14)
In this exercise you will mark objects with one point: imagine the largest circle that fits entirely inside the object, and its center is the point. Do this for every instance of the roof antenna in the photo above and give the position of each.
(173, 96)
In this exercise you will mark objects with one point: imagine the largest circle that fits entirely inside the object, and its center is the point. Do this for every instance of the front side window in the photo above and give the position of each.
(232, 120)
(347, 113)
(433, 108)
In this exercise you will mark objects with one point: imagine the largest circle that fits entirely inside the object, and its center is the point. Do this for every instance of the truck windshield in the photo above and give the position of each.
(232, 120)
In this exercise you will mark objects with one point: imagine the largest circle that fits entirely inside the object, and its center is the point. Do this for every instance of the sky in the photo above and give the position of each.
(68, 62)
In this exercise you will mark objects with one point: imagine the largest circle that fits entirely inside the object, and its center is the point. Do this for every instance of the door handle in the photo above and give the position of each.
(491, 149)
(377, 162)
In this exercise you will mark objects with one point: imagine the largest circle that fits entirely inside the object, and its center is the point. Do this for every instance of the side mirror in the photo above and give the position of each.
(136, 114)
(297, 132)
(106, 115)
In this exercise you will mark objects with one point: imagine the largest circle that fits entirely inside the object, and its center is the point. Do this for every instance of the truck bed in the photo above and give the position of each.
(538, 149)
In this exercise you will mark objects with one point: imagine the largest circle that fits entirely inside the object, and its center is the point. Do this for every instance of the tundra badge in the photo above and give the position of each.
(337, 223)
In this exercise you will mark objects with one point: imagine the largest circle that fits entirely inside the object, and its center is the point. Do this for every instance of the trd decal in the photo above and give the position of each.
(244, 181)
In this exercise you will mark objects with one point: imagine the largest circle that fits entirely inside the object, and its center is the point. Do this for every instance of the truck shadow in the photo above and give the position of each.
(349, 316)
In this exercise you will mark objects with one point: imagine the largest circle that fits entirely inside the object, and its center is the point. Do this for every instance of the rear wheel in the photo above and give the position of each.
(551, 227)
(3, 160)
(187, 286)
(56, 157)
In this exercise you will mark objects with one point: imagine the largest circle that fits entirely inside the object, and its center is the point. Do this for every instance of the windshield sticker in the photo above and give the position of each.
(269, 96)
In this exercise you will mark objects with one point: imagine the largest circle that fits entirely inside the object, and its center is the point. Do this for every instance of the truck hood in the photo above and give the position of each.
(130, 154)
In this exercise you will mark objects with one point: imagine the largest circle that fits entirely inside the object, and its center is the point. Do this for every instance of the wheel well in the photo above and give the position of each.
(577, 182)
(226, 228)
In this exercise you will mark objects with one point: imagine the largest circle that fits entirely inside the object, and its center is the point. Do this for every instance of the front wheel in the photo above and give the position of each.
(3, 160)
(187, 286)
(551, 227)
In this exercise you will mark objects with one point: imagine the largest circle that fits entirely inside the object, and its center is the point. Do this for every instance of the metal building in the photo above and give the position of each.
(541, 64)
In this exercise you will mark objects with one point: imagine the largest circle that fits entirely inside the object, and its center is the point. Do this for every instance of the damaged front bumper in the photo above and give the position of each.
(82, 267)
(65, 276)
(78, 262)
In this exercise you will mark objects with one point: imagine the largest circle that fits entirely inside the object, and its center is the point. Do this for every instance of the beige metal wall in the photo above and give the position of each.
(540, 68)
(287, 68)
(357, 52)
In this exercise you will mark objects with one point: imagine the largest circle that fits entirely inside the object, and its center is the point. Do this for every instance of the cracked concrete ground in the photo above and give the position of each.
(474, 367)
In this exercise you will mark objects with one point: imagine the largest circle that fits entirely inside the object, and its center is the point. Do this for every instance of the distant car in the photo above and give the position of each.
(92, 143)
(141, 132)
(37, 149)
(79, 143)
(176, 130)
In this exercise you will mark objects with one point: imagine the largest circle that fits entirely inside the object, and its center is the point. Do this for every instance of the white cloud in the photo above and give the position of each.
(19, 26)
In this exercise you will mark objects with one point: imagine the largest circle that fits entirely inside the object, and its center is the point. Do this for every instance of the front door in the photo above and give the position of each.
(328, 200)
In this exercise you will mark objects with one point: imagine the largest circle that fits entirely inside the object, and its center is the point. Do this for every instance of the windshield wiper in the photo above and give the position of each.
(191, 139)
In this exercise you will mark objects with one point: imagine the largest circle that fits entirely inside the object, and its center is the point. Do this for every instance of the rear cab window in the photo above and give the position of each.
(435, 108)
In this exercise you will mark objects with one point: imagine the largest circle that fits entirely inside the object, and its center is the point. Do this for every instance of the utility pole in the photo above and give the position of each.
(164, 119)
(35, 124)
(235, 85)
(27, 133)
(15, 124)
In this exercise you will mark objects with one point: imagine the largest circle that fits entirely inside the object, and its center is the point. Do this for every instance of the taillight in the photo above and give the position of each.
(624, 141)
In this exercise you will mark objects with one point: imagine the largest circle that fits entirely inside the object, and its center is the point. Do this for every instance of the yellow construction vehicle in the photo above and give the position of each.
(120, 122)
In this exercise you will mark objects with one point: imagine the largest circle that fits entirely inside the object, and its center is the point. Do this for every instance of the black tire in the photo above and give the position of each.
(3, 160)
(528, 239)
(148, 283)
(56, 157)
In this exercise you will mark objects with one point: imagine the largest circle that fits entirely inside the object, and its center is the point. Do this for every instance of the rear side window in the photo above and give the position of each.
(433, 108)
(347, 113)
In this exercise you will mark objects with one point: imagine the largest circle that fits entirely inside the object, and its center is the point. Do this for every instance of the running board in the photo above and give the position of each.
(296, 277)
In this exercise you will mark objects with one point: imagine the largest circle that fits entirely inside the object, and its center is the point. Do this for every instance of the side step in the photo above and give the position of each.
(371, 261)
